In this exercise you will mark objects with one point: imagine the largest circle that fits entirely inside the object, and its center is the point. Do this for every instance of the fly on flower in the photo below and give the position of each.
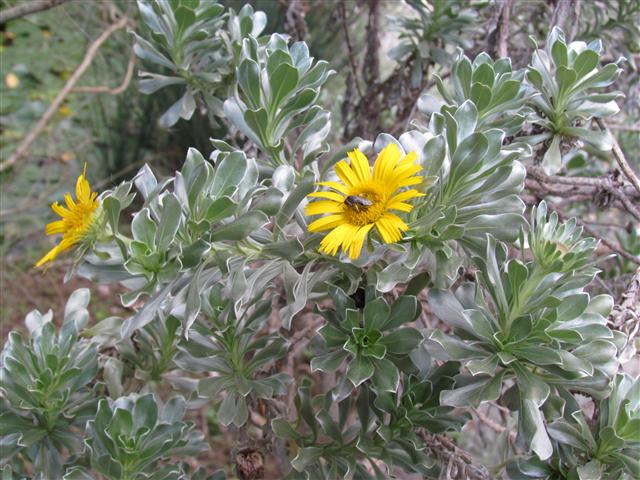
(365, 199)
(78, 219)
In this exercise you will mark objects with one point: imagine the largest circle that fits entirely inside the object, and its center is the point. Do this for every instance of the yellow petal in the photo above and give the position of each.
(410, 181)
(323, 206)
(387, 159)
(68, 199)
(405, 171)
(336, 238)
(55, 227)
(336, 197)
(336, 186)
(400, 206)
(59, 209)
(346, 174)
(51, 254)
(406, 195)
(326, 223)
(83, 191)
(358, 241)
(360, 165)
(390, 226)
(409, 158)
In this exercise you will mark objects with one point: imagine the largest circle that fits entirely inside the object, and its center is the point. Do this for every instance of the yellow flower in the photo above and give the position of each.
(365, 199)
(77, 219)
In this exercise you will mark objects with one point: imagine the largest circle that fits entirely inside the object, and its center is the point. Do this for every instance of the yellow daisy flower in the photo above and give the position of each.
(365, 199)
(77, 219)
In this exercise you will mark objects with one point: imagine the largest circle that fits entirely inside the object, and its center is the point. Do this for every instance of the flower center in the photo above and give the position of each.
(360, 213)
(80, 219)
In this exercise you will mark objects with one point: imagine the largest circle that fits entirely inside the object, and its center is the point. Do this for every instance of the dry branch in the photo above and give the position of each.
(459, 462)
(626, 316)
(27, 8)
(604, 191)
(120, 88)
(620, 158)
(66, 90)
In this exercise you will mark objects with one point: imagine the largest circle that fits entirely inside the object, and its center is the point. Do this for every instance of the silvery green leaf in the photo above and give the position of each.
(401, 341)
(305, 457)
(294, 200)
(475, 390)
(228, 173)
(376, 314)
(152, 82)
(565, 433)
(112, 373)
(298, 295)
(428, 104)
(456, 348)
(239, 228)
(183, 108)
(591, 471)
(328, 362)
(533, 429)
(386, 377)
(170, 220)
(552, 160)
(359, 370)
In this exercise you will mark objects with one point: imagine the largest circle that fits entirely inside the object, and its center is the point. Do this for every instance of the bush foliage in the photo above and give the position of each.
(480, 302)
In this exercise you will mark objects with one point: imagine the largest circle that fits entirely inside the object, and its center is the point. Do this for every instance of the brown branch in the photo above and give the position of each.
(66, 90)
(498, 39)
(624, 128)
(560, 13)
(294, 22)
(577, 6)
(352, 60)
(117, 90)
(626, 316)
(602, 190)
(27, 8)
(620, 158)
(459, 462)
(371, 67)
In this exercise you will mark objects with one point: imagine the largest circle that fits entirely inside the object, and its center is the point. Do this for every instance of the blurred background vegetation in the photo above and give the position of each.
(115, 134)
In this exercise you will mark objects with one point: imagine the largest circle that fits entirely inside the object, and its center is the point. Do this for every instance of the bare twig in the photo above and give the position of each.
(371, 67)
(120, 88)
(626, 316)
(620, 158)
(459, 462)
(624, 128)
(600, 189)
(561, 13)
(492, 424)
(294, 22)
(499, 37)
(577, 6)
(53, 108)
(27, 8)
(352, 60)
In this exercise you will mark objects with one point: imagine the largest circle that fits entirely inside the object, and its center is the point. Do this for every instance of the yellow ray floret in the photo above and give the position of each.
(76, 219)
(364, 199)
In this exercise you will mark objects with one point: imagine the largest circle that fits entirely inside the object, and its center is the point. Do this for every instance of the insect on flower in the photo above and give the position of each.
(358, 203)
(365, 198)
